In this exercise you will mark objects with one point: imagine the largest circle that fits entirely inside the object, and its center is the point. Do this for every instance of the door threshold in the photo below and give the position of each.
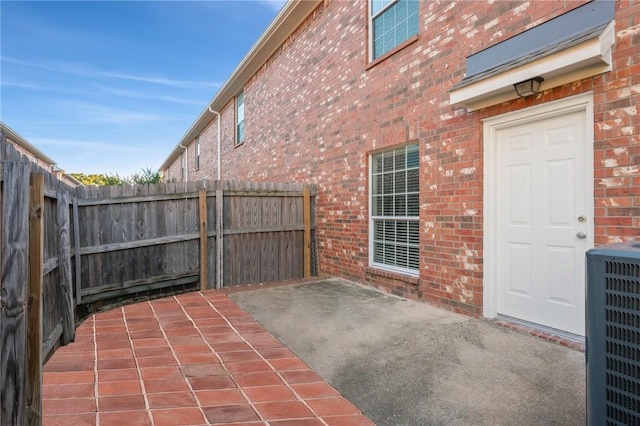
(570, 340)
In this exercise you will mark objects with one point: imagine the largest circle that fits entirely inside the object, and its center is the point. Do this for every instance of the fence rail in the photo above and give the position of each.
(63, 247)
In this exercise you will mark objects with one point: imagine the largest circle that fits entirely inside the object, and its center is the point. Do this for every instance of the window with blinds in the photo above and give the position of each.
(395, 209)
(391, 23)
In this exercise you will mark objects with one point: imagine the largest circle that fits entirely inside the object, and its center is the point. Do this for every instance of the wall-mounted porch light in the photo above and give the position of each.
(528, 87)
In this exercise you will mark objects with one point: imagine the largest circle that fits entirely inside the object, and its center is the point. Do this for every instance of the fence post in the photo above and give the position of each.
(307, 231)
(14, 249)
(219, 235)
(204, 257)
(64, 268)
(34, 302)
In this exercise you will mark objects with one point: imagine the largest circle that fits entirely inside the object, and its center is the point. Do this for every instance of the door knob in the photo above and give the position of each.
(581, 235)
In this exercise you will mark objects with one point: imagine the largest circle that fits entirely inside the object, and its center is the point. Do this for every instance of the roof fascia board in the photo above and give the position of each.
(293, 13)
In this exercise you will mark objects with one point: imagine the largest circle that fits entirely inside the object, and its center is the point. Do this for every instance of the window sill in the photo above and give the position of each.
(370, 271)
(392, 52)
(238, 145)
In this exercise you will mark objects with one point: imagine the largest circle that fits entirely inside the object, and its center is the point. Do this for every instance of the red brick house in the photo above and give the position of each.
(437, 181)
(36, 156)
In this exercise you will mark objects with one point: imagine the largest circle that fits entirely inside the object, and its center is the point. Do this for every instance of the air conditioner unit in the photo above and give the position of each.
(613, 335)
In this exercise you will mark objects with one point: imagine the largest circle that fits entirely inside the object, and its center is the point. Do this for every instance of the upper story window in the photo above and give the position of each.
(391, 22)
(395, 210)
(240, 118)
(197, 152)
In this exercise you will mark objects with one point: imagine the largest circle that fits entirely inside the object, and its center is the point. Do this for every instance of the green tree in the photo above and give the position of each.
(146, 176)
(99, 179)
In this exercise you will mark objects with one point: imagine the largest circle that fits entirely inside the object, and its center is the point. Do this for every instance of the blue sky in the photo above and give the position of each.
(112, 86)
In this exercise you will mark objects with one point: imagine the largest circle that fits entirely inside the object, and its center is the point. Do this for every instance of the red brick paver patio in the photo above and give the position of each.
(193, 359)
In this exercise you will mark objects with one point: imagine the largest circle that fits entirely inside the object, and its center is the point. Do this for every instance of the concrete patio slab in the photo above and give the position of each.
(407, 363)
(194, 359)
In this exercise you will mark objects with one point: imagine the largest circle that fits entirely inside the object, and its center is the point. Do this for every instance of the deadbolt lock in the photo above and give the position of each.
(582, 218)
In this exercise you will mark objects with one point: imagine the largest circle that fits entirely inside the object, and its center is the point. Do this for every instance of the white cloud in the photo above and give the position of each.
(87, 112)
(92, 146)
(160, 80)
(82, 70)
(132, 94)
(20, 84)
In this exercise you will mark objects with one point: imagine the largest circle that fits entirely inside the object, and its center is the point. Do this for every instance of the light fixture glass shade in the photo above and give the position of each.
(528, 87)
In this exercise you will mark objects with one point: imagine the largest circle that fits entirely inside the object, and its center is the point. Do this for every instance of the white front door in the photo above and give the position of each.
(543, 216)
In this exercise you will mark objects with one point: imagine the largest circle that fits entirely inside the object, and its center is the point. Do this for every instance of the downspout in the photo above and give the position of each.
(185, 162)
(219, 143)
(219, 217)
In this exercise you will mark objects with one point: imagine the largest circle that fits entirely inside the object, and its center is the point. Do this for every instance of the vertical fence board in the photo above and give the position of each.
(76, 250)
(34, 302)
(91, 268)
(150, 226)
(14, 246)
(211, 241)
(115, 266)
(204, 253)
(307, 232)
(64, 268)
(219, 238)
(129, 258)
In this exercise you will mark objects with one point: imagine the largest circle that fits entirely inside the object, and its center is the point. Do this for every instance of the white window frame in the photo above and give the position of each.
(372, 219)
(240, 137)
(372, 15)
(197, 152)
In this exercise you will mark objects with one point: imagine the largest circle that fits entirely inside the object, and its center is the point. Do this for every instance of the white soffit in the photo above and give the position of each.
(589, 58)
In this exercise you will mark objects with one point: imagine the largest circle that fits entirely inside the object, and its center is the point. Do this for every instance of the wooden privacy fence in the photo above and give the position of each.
(36, 306)
(142, 239)
(62, 247)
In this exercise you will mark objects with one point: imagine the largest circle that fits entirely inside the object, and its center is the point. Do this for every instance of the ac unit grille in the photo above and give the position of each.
(623, 268)
(623, 366)
(622, 400)
(623, 335)
(622, 342)
(615, 381)
(620, 416)
(620, 285)
(625, 317)
(629, 352)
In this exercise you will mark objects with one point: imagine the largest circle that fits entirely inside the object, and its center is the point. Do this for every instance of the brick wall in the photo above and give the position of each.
(316, 110)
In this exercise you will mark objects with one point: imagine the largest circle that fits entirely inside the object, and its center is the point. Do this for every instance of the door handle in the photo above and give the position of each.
(581, 235)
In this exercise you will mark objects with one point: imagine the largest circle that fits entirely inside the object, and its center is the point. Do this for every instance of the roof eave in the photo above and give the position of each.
(292, 14)
(26, 145)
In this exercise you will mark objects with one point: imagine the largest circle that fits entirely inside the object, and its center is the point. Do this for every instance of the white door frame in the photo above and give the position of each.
(491, 126)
